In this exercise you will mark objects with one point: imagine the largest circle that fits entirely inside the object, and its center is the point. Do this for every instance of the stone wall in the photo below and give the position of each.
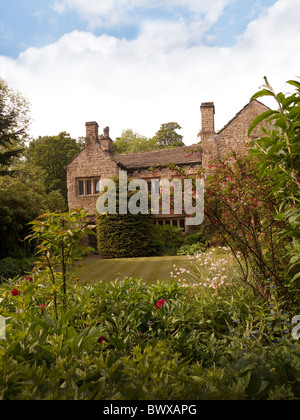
(234, 136)
(92, 163)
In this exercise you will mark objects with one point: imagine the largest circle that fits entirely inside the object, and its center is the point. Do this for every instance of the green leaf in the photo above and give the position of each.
(261, 118)
(294, 83)
(72, 337)
(260, 93)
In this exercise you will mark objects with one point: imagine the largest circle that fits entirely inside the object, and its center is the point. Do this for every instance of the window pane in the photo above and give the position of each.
(155, 186)
(175, 223)
(89, 187)
(80, 188)
(97, 186)
(182, 224)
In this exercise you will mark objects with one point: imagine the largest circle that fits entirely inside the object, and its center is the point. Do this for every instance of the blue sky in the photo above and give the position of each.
(33, 23)
(139, 63)
(36, 23)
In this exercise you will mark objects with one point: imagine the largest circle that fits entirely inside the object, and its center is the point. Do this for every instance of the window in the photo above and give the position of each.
(80, 188)
(175, 223)
(89, 187)
(182, 223)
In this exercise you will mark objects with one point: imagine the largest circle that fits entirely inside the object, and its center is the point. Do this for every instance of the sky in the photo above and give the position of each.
(136, 64)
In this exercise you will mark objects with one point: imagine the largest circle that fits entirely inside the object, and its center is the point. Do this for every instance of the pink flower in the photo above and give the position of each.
(43, 307)
(160, 303)
(15, 292)
(101, 339)
(29, 278)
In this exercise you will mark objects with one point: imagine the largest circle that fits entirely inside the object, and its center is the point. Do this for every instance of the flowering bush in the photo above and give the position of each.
(208, 270)
(240, 204)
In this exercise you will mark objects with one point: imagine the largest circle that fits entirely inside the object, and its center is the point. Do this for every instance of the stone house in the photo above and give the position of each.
(97, 160)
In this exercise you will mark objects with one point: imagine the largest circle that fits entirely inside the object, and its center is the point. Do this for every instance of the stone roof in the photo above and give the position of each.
(177, 155)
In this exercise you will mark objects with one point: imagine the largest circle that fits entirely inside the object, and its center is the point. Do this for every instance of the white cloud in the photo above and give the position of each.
(156, 78)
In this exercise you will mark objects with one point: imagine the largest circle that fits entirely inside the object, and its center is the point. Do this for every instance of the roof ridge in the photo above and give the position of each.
(155, 150)
(239, 113)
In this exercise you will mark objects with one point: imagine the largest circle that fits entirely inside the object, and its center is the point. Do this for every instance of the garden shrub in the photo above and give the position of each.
(166, 240)
(11, 267)
(124, 235)
(191, 249)
(192, 244)
(127, 340)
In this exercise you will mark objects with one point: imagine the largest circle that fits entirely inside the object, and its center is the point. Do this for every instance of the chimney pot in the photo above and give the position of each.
(106, 132)
(106, 142)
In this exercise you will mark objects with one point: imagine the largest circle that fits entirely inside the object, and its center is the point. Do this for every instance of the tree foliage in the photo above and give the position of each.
(14, 122)
(23, 198)
(167, 136)
(52, 154)
(132, 142)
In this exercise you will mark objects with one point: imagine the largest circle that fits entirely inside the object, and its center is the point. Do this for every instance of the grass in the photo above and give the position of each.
(151, 269)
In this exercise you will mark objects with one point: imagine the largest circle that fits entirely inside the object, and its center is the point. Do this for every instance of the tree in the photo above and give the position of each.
(14, 122)
(52, 154)
(167, 136)
(131, 142)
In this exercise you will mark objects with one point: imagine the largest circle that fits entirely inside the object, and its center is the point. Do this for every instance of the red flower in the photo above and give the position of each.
(43, 307)
(29, 278)
(101, 339)
(160, 303)
(15, 292)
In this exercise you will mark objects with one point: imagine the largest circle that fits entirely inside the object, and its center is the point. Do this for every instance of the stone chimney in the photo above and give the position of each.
(106, 141)
(91, 133)
(207, 118)
(208, 142)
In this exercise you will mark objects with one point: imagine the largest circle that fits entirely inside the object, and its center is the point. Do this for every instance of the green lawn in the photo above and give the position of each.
(94, 268)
